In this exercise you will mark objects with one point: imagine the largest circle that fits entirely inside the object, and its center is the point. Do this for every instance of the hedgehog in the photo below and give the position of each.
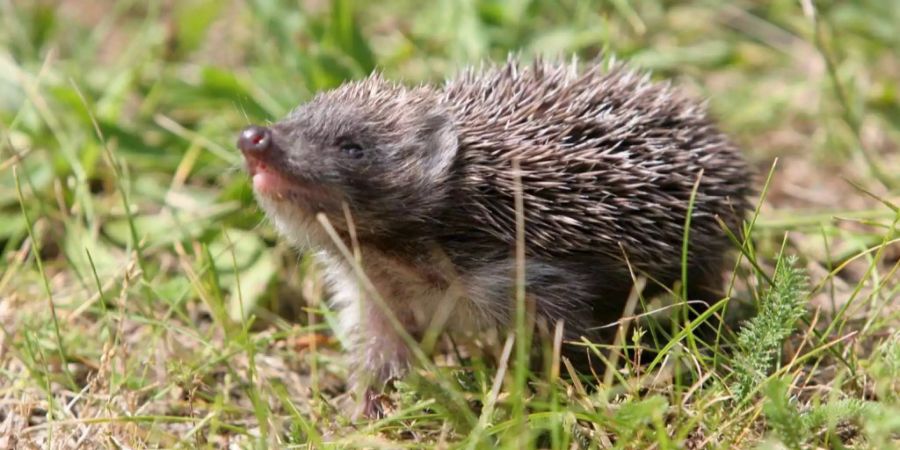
(420, 203)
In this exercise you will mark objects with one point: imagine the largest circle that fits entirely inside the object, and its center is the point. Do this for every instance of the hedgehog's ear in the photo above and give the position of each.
(441, 140)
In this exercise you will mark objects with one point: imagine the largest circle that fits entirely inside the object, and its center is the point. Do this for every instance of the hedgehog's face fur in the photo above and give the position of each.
(383, 150)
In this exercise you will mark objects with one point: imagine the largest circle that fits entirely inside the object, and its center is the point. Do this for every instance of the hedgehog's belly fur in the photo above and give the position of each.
(421, 294)
(420, 298)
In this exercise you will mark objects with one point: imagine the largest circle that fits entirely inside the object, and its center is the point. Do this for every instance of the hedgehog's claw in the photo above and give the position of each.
(373, 404)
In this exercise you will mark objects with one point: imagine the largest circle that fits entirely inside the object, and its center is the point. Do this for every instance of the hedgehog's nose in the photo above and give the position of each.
(255, 140)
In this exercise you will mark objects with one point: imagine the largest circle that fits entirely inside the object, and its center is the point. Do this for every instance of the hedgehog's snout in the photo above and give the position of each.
(255, 141)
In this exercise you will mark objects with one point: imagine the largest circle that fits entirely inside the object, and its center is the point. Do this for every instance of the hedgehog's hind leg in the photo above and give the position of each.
(588, 301)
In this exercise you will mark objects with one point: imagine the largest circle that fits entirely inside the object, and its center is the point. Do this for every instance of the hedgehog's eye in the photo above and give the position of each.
(352, 149)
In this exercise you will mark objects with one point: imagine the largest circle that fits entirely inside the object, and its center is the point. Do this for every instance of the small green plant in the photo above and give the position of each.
(794, 425)
(760, 340)
(782, 414)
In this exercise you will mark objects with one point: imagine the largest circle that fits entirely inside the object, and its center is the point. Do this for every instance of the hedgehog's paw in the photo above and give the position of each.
(373, 402)
(374, 368)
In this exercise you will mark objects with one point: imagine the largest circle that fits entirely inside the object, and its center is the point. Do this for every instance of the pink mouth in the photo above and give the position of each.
(268, 183)
(266, 180)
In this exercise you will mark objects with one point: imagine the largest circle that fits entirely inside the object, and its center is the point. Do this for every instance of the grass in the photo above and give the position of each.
(145, 303)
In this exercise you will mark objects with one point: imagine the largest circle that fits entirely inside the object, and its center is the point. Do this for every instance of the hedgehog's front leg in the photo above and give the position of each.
(377, 352)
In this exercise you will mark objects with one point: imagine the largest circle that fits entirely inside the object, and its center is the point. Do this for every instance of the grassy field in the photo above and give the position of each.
(144, 301)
